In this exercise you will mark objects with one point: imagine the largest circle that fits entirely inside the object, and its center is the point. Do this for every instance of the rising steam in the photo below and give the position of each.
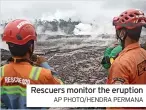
(95, 16)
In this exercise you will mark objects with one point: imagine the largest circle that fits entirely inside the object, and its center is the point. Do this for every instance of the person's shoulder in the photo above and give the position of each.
(45, 74)
(45, 71)
(132, 54)
(47, 77)
(5, 65)
(126, 59)
(121, 65)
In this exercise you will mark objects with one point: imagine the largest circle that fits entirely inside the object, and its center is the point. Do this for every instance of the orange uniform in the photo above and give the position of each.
(15, 77)
(27, 73)
(129, 67)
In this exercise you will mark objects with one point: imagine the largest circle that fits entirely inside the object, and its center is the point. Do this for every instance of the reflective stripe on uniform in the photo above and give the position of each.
(13, 90)
(35, 72)
(2, 71)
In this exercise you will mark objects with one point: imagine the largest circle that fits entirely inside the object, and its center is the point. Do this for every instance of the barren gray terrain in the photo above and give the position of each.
(76, 58)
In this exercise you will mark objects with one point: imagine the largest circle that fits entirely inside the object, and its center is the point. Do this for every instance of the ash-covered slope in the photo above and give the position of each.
(76, 58)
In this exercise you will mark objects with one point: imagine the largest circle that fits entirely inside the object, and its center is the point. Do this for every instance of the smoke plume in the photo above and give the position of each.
(95, 16)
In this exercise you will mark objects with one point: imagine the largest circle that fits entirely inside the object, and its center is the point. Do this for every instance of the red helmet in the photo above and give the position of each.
(19, 32)
(130, 19)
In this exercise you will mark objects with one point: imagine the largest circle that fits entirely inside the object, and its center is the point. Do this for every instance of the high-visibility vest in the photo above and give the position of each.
(34, 74)
(16, 89)
(2, 71)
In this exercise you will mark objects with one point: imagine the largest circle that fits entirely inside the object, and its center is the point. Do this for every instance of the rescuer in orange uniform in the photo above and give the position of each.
(20, 36)
(130, 66)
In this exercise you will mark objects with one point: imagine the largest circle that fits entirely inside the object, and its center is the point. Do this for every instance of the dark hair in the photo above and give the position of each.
(134, 33)
(20, 50)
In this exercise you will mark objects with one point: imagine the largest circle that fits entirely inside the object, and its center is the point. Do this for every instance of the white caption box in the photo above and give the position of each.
(133, 96)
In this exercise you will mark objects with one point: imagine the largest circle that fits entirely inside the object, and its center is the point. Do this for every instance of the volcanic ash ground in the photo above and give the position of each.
(76, 58)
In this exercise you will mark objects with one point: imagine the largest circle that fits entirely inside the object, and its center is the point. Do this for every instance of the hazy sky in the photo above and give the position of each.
(84, 10)
(99, 12)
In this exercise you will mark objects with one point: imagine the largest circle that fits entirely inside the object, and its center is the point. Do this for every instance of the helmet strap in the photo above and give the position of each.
(121, 37)
(31, 50)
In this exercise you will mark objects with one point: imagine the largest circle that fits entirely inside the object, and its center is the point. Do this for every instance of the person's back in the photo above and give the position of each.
(129, 66)
(20, 72)
(14, 79)
(28, 73)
